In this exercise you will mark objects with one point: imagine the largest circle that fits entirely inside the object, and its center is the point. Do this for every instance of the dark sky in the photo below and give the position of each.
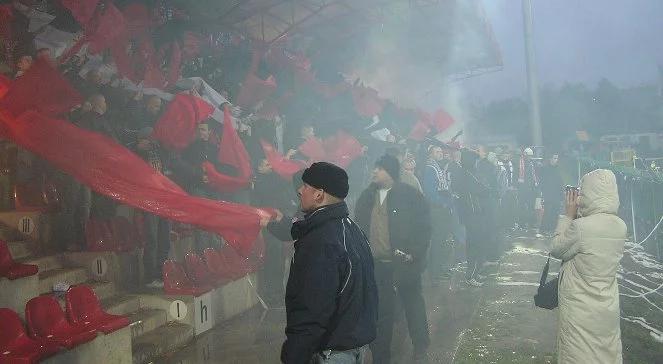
(575, 41)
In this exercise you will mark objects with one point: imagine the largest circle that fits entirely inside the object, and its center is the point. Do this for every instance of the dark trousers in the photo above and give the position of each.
(157, 231)
(475, 246)
(526, 198)
(411, 297)
(442, 248)
(551, 212)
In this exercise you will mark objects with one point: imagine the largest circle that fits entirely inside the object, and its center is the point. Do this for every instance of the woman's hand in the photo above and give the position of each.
(572, 203)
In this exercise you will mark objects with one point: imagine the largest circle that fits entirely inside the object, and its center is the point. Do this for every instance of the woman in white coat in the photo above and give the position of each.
(589, 240)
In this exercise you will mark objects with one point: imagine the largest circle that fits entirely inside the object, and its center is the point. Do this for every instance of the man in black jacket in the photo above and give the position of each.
(397, 218)
(331, 296)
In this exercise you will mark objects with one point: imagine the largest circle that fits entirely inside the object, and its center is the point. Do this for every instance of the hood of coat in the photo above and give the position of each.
(598, 193)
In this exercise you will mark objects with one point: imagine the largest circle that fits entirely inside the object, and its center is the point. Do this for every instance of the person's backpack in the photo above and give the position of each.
(546, 295)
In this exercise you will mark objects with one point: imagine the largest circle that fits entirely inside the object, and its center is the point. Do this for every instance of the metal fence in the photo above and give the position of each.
(641, 202)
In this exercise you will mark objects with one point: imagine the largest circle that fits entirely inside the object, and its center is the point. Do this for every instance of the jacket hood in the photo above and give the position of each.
(598, 193)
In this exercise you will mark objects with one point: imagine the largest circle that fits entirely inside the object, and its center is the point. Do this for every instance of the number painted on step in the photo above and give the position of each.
(26, 225)
(178, 310)
(99, 267)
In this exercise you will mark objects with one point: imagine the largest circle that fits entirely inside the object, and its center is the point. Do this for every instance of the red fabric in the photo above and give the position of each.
(176, 282)
(42, 88)
(343, 148)
(255, 90)
(82, 10)
(6, 18)
(138, 19)
(176, 128)
(427, 124)
(110, 28)
(112, 170)
(190, 45)
(314, 149)
(5, 84)
(285, 168)
(340, 149)
(175, 65)
(367, 102)
(233, 153)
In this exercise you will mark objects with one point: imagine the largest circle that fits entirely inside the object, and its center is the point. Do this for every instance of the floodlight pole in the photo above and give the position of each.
(532, 82)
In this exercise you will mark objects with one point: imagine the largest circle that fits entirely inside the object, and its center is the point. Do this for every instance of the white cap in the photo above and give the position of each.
(528, 151)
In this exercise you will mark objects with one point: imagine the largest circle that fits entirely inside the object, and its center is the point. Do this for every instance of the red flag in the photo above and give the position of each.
(343, 148)
(176, 128)
(233, 153)
(255, 90)
(82, 10)
(112, 170)
(428, 124)
(285, 168)
(110, 29)
(5, 84)
(314, 149)
(138, 19)
(175, 65)
(441, 121)
(367, 102)
(42, 88)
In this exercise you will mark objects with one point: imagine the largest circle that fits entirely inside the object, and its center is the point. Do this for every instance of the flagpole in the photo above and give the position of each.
(532, 82)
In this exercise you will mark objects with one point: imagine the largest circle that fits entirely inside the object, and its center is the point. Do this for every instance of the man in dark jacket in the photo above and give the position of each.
(551, 187)
(331, 296)
(397, 218)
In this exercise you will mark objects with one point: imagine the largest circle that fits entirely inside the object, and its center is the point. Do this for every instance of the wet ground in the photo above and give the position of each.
(496, 323)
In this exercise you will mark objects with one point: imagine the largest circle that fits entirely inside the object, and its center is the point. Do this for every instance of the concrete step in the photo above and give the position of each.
(71, 276)
(145, 321)
(122, 304)
(103, 290)
(19, 249)
(160, 341)
(44, 263)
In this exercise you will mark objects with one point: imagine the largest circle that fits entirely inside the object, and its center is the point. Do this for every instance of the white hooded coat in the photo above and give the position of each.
(590, 248)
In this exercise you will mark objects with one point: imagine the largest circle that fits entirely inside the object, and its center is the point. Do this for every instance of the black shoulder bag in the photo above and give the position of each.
(546, 294)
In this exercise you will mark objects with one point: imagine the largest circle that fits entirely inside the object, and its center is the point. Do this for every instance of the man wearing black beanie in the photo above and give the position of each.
(331, 297)
(396, 218)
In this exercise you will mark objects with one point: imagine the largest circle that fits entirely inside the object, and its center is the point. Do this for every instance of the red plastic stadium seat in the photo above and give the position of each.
(47, 321)
(83, 308)
(98, 236)
(125, 235)
(16, 346)
(12, 270)
(176, 282)
(222, 269)
(197, 270)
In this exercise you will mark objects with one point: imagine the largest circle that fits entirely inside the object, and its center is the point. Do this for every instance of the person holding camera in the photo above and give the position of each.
(396, 218)
(589, 239)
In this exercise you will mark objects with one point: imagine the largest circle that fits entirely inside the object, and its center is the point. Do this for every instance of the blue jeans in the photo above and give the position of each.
(352, 356)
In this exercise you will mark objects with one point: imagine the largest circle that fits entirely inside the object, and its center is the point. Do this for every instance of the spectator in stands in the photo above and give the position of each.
(589, 239)
(408, 166)
(437, 184)
(331, 296)
(44, 53)
(143, 111)
(397, 220)
(473, 195)
(551, 188)
(527, 184)
(23, 65)
(157, 229)
(96, 120)
(486, 172)
(189, 173)
(270, 190)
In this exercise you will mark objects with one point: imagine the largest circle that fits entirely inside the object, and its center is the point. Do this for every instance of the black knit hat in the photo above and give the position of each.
(327, 177)
(391, 165)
